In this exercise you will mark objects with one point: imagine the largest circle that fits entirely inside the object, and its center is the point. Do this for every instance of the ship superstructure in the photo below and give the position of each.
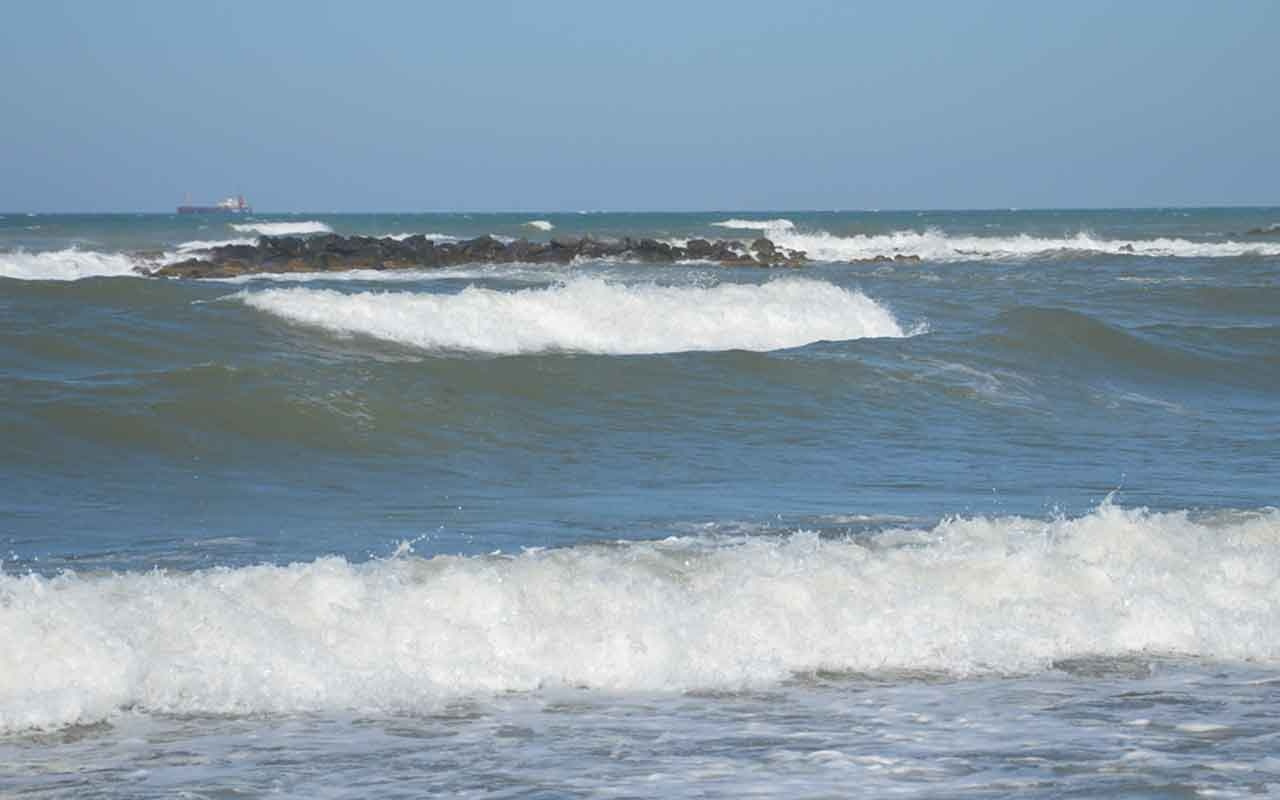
(227, 205)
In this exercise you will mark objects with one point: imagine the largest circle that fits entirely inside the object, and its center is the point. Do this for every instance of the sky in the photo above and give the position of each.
(595, 105)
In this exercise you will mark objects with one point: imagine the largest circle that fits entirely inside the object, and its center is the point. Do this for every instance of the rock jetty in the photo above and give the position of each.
(331, 253)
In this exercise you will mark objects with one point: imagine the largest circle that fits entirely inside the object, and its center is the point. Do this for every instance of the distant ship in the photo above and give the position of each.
(228, 205)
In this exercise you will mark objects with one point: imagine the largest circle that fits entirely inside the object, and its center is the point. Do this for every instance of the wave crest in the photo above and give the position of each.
(283, 228)
(970, 596)
(594, 316)
(209, 244)
(65, 265)
(774, 225)
(935, 245)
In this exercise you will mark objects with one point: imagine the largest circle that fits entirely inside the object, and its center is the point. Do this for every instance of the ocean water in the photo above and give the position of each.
(1001, 521)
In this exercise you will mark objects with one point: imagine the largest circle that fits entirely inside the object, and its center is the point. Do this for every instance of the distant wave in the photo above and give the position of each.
(540, 224)
(591, 315)
(435, 237)
(207, 244)
(283, 228)
(935, 245)
(776, 225)
(64, 265)
(985, 595)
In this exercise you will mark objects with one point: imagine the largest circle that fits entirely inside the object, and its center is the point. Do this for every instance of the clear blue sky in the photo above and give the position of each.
(567, 105)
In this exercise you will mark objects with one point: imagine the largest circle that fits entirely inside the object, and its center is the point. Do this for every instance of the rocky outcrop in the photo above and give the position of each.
(331, 252)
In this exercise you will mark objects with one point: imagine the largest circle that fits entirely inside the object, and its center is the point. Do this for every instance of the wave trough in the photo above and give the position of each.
(591, 315)
(970, 596)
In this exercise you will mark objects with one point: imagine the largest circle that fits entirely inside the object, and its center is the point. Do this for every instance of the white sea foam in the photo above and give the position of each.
(208, 244)
(935, 245)
(540, 224)
(283, 228)
(772, 225)
(970, 596)
(435, 237)
(540, 274)
(594, 316)
(64, 265)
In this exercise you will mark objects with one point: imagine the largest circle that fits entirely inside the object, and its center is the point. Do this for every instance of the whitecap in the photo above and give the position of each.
(591, 315)
(283, 228)
(970, 596)
(65, 265)
(935, 245)
(771, 225)
(209, 244)
(435, 237)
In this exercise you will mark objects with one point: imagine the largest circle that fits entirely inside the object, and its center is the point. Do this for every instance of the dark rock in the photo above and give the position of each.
(482, 249)
(284, 247)
(329, 252)
(321, 244)
(594, 248)
(698, 248)
(652, 250)
(238, 252)
(764, 249)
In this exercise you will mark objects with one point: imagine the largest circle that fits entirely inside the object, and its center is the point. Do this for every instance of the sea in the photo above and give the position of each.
(1000, 521)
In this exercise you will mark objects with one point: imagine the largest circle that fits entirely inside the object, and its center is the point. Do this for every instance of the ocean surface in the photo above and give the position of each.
(999, 522)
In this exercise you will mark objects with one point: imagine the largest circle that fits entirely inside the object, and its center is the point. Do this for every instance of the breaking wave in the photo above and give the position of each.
(591, 315)
(540, 224)
(209, 244)
(65, 265)
(772, 225)
(935, 245)
(972, 596)
(283, 228)
(435, 237)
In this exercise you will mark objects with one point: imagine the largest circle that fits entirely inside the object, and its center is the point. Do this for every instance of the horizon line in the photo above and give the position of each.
(589, 212)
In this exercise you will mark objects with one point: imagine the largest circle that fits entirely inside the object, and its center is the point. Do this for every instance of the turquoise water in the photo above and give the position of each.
(997, 521)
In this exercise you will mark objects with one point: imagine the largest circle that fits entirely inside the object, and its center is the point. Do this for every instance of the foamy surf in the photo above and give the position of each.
(209, 244)
(935, 245)
(65, 265)
(539, 275)
(590, 315)
(771, 225)
(540, 224)
(283, 228)
(971, 596)
(435, 237)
